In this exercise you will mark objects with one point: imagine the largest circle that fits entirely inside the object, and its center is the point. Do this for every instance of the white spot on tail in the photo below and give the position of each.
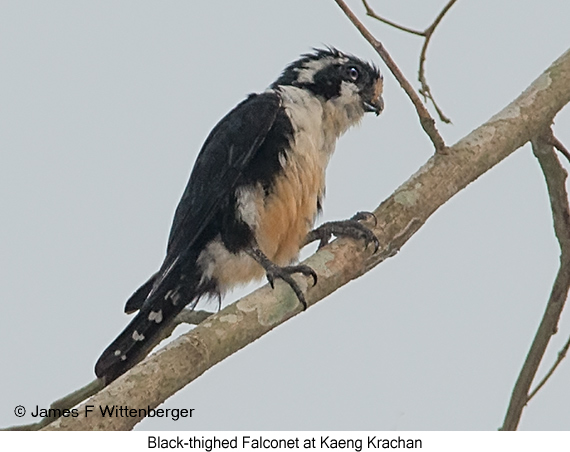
(124, 358)
(156, 316)
(137, 337)
(117, 352)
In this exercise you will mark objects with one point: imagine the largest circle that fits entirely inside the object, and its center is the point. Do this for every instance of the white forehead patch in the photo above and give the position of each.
(310, 68)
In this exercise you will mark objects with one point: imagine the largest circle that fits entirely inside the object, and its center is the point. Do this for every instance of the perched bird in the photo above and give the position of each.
(253, 195)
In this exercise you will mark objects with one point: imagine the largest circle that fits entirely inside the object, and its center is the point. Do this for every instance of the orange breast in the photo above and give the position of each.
(289, 211)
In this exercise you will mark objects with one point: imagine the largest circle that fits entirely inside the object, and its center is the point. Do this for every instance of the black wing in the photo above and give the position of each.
(223, 160)
(225, 154)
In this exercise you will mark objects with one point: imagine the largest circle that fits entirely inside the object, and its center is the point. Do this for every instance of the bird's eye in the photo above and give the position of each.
(353, 73)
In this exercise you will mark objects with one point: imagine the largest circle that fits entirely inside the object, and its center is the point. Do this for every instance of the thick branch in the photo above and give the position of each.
(399, 217)
(555, 176)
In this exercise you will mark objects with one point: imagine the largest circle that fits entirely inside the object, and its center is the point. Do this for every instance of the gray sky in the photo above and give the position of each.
(103, 108)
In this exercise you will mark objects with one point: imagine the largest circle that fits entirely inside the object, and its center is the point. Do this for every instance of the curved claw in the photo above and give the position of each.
(270, 279)
(305, 270)
(324, 241)
(365, 215)
(376, 244)
(284, 273)
(359, 231)
(347, 228)
(273, 271)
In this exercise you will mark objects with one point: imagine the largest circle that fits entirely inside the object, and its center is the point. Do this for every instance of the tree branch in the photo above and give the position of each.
(555, 176)
(164, 373)
(560, 147)
(67, 402)
(426, 121)
(425, 89)
(370, 12)
(561, 355)
(426, 34)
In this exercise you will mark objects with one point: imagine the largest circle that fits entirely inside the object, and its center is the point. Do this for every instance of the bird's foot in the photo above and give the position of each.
(274, 271)
(346, 228)
(284, 273)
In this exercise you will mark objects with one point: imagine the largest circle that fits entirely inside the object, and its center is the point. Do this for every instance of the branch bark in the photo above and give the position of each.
(162, 374)
(555, 176)
(561, 355)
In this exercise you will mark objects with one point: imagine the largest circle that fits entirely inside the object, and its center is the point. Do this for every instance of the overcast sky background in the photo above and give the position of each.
(103, 109)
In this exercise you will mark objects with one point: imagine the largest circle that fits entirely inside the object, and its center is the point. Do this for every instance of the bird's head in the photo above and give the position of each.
(334, 76)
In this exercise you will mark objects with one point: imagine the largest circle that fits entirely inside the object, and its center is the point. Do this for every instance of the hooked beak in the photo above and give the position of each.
(374, 105)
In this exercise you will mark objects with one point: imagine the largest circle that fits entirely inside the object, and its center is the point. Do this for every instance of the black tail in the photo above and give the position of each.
(136, 300)
(139, 337)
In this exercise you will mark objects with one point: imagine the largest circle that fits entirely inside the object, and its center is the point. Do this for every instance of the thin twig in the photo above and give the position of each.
(560, 147)
(426, 121)
(65, 403)
(425, 89)
(426, 34)
(370, 12)
(555, 176)
(561, 355)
